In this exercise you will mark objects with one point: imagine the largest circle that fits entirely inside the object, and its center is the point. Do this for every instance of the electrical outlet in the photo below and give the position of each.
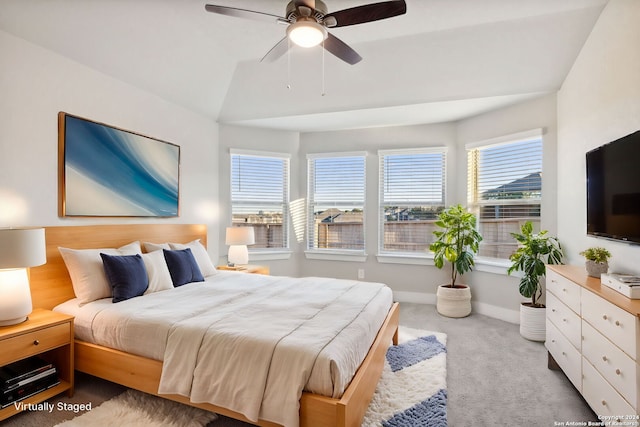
(360, 273)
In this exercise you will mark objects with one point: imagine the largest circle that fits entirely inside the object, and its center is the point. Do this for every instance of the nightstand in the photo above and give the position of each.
(248, 268)
(48, 335)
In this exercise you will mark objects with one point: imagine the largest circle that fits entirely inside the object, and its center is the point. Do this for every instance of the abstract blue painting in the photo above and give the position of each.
(109, 172)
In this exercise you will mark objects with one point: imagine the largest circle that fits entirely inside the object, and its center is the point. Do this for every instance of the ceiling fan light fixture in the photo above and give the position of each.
(306, 33)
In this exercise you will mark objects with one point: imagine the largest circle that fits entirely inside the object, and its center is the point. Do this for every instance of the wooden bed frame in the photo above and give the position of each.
(51, 285)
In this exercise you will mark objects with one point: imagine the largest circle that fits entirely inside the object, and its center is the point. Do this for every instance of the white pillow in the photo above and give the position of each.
(200, 254)
(158, 272)
(152, 247)
(87, 272)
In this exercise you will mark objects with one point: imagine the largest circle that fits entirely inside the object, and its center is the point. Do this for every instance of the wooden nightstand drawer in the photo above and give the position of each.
(34, 342)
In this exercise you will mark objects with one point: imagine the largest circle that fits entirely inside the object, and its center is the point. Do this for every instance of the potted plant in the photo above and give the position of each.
(597, 261)
(457, 241)
(535, 250)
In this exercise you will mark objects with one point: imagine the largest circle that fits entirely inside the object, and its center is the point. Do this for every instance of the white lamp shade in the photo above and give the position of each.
(240, 236)
(15, 296)
(22, 247)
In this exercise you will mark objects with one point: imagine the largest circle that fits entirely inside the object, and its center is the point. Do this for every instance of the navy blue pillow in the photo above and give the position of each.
(126, 274)
(182, 267)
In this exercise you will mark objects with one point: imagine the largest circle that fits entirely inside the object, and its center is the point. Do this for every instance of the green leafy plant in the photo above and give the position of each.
(535, 250)
(457, 241)
(599, 255)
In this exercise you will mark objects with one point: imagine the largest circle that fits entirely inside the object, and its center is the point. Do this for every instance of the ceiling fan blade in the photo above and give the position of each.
(340, 49)
(277, 51)
(366, 13)
(243, 13)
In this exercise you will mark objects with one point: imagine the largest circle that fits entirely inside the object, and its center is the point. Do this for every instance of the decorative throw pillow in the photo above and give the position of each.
(126, 274)
(152, 247)
(87, 272)
(200, 254)
(182, 267)
(158, 272)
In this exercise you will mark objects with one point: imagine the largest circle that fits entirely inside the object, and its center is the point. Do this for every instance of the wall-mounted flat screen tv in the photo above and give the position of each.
(613, 190)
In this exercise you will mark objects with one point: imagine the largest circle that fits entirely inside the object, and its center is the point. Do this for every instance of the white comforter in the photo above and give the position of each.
(249, 343)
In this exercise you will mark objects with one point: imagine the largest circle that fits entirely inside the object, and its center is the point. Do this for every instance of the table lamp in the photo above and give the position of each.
(20, 248)
(238, 238)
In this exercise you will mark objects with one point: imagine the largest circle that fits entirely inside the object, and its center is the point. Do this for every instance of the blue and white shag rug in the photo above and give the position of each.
(412, 392)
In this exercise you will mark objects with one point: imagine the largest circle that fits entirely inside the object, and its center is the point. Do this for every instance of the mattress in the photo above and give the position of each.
(143, 325)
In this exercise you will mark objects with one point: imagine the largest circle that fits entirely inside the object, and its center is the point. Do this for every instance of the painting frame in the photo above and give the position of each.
(106, 171)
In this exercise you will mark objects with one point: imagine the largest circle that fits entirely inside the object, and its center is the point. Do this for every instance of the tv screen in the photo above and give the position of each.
(613, 190)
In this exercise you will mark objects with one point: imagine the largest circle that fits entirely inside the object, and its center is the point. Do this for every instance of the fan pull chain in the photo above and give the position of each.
(288, 63)
(323, 87)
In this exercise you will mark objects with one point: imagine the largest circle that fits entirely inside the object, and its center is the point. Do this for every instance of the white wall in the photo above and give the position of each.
(35, 84)
(598, 102)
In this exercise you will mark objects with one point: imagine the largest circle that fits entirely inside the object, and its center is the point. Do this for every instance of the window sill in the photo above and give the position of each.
(405, 258)
(492, 265)
(337, 256)
(269, 255)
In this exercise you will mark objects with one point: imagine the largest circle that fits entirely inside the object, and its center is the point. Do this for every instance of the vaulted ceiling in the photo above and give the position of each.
(442, 61)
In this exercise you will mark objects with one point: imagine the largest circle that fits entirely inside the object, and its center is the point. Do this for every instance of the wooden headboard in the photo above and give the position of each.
(51, 284)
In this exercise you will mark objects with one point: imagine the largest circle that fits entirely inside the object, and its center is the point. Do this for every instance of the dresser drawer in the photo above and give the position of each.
(565, 354)
(29, 344)
(566, 320)
(601, 396)
(612, 363)
(564, 289)
(619, 326)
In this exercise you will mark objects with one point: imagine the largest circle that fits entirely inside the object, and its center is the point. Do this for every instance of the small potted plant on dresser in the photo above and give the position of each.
(535, 250)
(457, 241)
(597, 261)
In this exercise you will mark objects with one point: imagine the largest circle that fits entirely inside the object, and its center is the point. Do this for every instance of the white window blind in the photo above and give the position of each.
(336, 202)
(260, 196)
(412, 194)
(505, 190)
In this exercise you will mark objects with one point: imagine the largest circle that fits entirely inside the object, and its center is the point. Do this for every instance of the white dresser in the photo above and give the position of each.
(593, 335)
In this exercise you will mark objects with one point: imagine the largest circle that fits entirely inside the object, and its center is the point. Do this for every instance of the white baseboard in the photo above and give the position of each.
(500, 313)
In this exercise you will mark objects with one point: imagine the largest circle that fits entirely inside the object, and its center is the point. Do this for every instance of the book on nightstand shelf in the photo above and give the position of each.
(25, 378)
(626, 284)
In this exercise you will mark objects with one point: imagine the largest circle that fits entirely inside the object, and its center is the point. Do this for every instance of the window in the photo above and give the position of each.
(260, 196)
(412, 194)
(505, 189)
(336, 202)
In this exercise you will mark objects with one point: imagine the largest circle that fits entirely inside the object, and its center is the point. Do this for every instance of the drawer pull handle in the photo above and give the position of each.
(564, 320)
(564, 354)
(36, 342)
(617, 323)
(564, 289)
(618, 372)
(553, 309)
(604, 358)
(604, 403)
(605, 317)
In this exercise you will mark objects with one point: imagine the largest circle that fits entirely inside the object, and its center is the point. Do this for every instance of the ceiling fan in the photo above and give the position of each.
(307, 22)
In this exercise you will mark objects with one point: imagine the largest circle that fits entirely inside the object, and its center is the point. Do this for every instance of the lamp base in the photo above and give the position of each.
(10, 322)
(238, 254)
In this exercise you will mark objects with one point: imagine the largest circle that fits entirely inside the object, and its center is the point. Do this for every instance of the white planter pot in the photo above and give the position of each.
(453, 302)
(532, 322)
